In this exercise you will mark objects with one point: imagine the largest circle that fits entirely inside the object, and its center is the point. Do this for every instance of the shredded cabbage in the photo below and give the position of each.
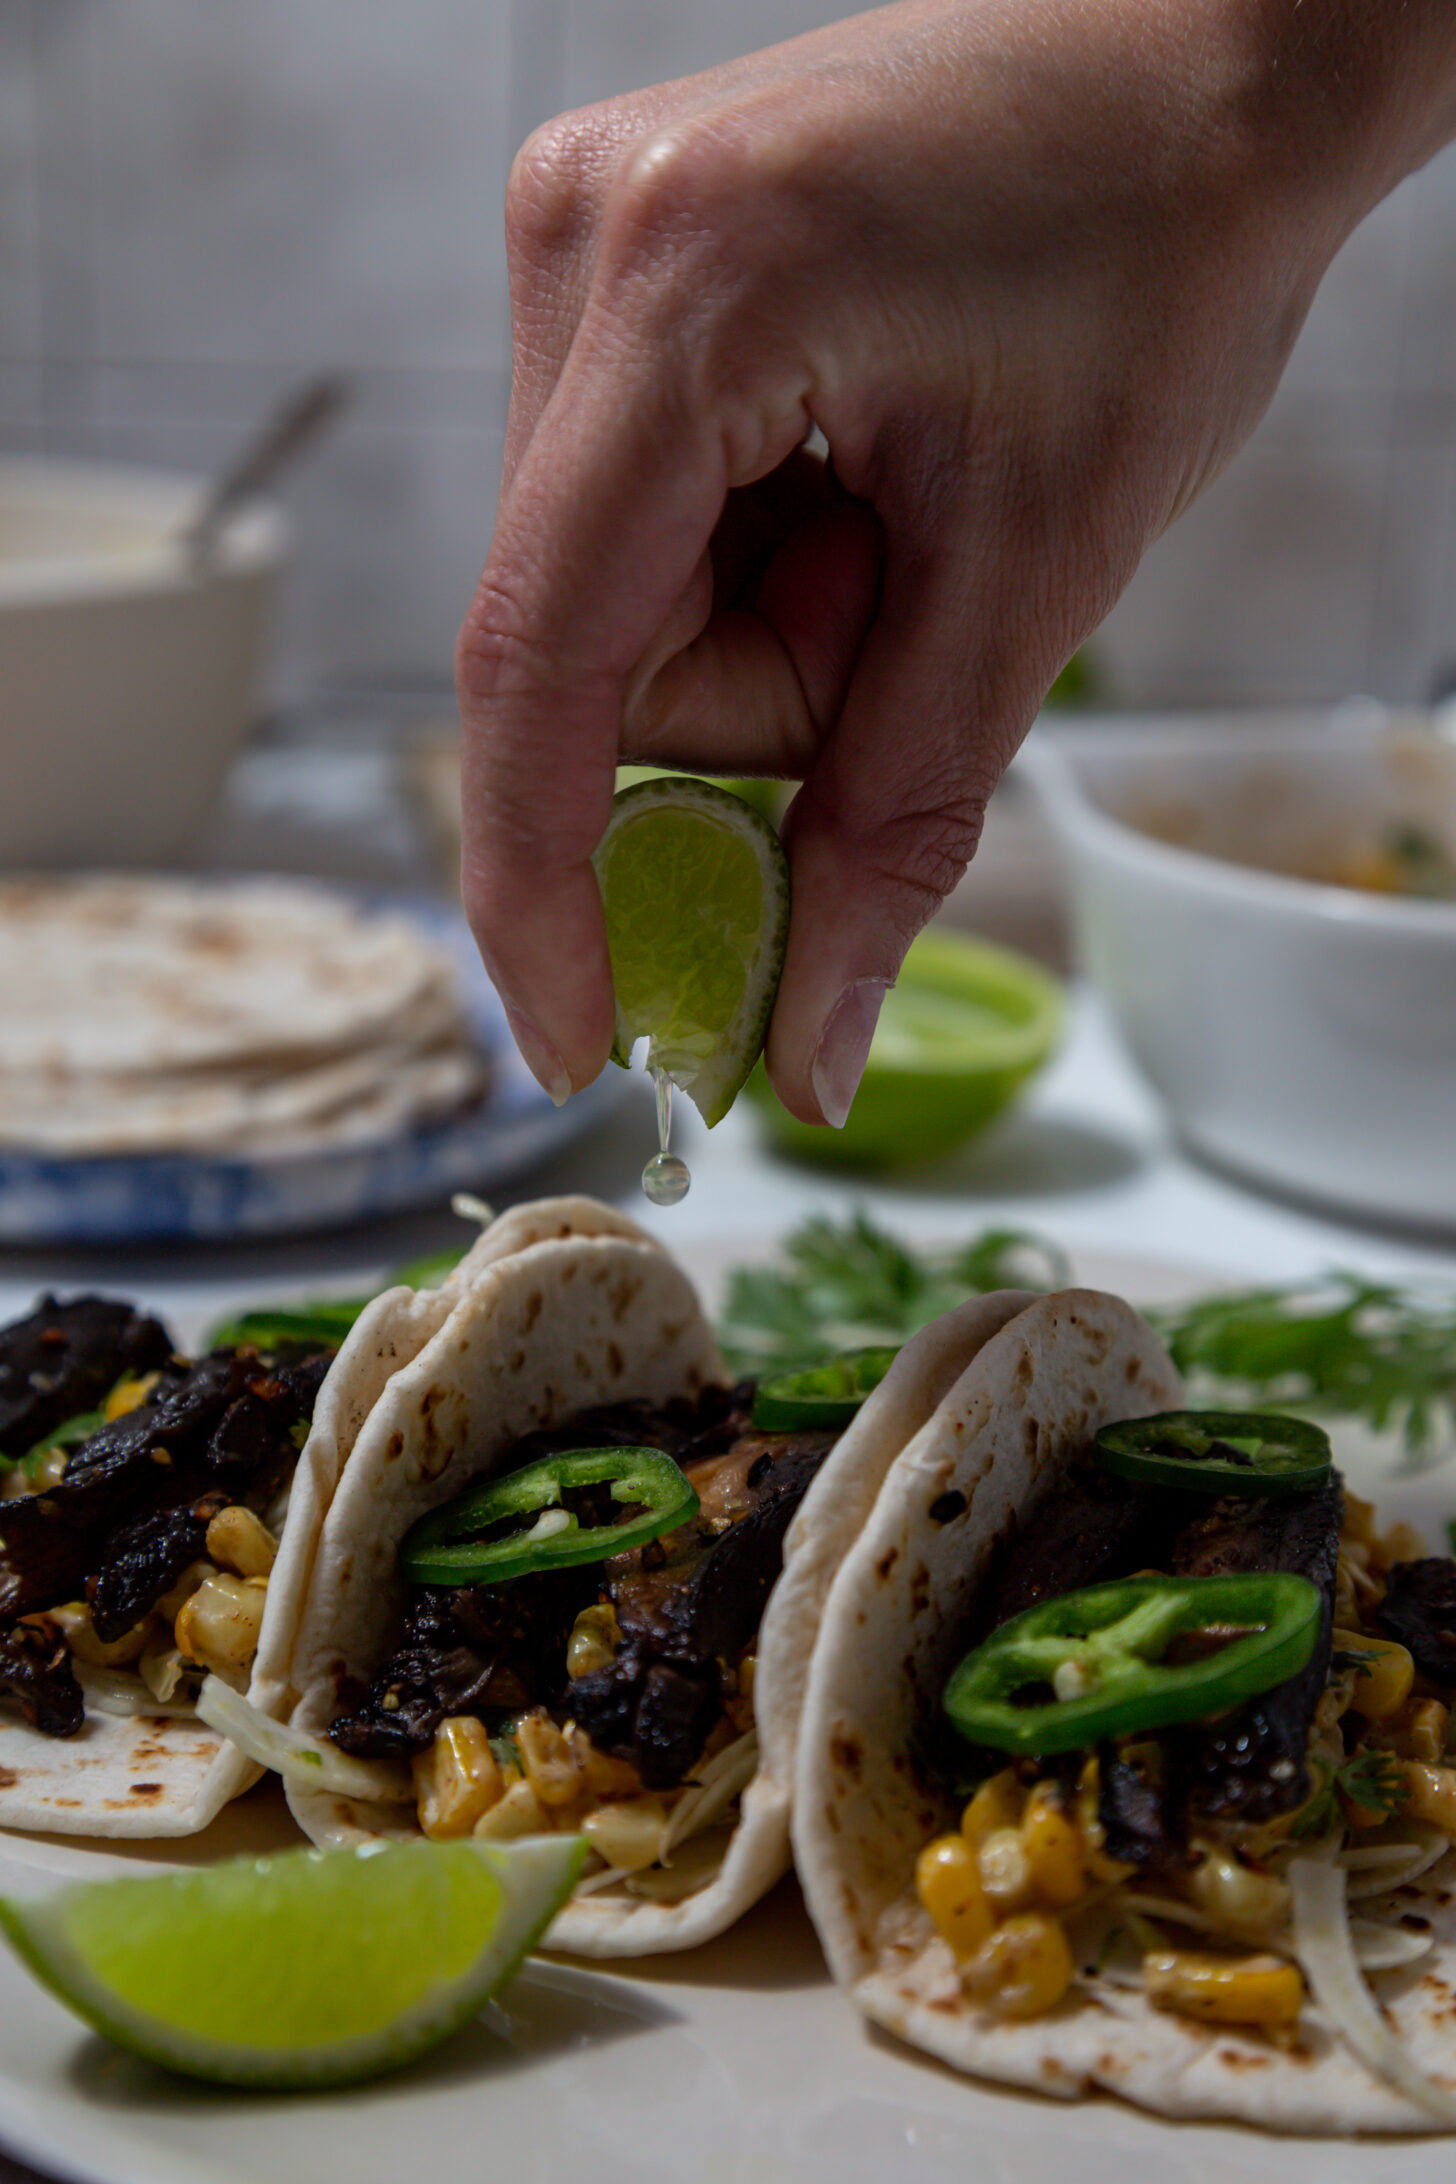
(296, 1757)
(1326, 1952)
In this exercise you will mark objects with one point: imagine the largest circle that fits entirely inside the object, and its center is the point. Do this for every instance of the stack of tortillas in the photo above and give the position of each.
(148, 1015)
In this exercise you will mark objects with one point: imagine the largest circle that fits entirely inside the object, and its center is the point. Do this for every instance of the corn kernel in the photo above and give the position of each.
(996, 1804)
(519, 1812)
(1235, 1894)
(218, 1627)
(81, 1639)
(546, 1755)
(1023, 1969)
(1401, 1543)
(1053, 1848)
(595, 1637)
(1419, 1731)
(1430, 1794)
(129, 1394)
(948, 1883)
(597, 1773)
(458, 1779)
(1358, 1522)
(237, 1540)
(629, 1833)
(1381, 1686)
(1006, 1871)
(1220, 1990)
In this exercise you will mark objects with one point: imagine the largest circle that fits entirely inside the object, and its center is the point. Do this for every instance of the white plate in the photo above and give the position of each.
(737, 2063)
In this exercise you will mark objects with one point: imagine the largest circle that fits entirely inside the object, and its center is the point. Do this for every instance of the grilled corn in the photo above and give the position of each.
(458, 1779)
(948, 1883)
(1023, 1969)
(1219, 1990)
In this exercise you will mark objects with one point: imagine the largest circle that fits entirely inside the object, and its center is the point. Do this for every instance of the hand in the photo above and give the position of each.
(1033, 271)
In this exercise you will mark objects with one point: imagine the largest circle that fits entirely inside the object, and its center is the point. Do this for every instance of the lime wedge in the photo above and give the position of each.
(314, 1968)
(960, 1034)
(695, 887)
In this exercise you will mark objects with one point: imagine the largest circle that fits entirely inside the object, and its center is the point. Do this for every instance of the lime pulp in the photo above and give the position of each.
(695, 895)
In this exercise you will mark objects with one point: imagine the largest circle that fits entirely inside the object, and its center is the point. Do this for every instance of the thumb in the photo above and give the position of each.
(889, 816)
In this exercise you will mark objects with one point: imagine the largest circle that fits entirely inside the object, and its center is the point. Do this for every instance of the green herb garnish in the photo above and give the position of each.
(1383, 1352)
(1373, 1780)
(846, 1285)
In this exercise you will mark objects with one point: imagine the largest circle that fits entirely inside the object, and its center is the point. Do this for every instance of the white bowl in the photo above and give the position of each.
(1303, 1034)
(127, 679)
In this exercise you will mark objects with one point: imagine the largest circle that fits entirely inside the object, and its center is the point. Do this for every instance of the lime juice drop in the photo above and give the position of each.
(665, 1179)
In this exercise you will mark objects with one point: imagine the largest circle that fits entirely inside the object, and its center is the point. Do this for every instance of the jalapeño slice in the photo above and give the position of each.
(1136, 1655)
(822, 1395)
(1217, 1452)
(446, 1547)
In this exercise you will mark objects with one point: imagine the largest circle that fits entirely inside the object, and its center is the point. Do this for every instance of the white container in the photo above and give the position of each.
(1302, 1034)
(127, 679)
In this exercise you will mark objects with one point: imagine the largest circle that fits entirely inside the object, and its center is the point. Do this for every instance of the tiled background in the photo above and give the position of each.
(200, 201)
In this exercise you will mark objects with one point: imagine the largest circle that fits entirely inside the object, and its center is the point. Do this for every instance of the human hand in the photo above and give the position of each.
(1033, 272)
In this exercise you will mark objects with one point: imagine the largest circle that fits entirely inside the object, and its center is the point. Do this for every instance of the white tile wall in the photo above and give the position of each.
(197, 203)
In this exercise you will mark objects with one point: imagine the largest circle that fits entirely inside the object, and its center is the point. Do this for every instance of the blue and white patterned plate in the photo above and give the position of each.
(125, 1198)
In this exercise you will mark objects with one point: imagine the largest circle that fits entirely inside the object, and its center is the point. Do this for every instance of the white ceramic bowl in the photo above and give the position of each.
(127, 680)
(1303, 1034)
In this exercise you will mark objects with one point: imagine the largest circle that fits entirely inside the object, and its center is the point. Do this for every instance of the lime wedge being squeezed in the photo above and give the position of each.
(695, 888)
(313, 1968)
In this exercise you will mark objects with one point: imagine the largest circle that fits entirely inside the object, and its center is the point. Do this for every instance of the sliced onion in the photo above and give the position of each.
(299, 1758)
(726, 1776)
(1326, 1954)
(114, 1691)
(1384, 1866)
(1387, 1948)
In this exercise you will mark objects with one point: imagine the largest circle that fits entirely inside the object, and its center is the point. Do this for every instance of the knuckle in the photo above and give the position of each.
(917, 857)
(553, 189)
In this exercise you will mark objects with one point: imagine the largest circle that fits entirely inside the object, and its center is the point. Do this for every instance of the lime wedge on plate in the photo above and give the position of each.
(695, 887)
(314, 1968)
(964, 1029)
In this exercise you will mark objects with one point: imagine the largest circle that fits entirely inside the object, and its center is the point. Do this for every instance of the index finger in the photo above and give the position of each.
(607, 516)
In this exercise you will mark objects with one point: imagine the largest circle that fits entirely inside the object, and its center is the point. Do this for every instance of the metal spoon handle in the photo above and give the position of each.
(292, 425)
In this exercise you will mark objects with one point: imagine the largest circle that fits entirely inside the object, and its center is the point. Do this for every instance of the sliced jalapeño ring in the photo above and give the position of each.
(447, 1547)
(1136, 1655)
(1217, 1452)
(820, 1396)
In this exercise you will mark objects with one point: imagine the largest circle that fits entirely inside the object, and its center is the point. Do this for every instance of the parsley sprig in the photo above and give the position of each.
(1382, 1352)
(846, 1285)
(1373, 1780)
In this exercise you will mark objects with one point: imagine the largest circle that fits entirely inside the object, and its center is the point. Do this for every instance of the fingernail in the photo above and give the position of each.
(540, 1057)
(844, 1048)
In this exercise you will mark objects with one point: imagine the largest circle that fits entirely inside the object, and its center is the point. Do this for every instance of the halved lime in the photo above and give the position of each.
(314, 1968)
(695, 887)
(958, 1036)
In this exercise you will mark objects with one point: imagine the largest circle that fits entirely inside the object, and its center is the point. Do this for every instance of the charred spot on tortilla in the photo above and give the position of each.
(146, 1789)
(945, 1506)
(887, 1563)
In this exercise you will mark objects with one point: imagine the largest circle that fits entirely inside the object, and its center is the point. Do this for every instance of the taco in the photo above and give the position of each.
(1123, 1755)
(154, 1511)
(647, 1695)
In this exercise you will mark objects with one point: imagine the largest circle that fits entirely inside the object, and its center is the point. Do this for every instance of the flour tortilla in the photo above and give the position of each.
(154, 1775)
(891, 1630)
(145, 1014)
(561, 1324)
